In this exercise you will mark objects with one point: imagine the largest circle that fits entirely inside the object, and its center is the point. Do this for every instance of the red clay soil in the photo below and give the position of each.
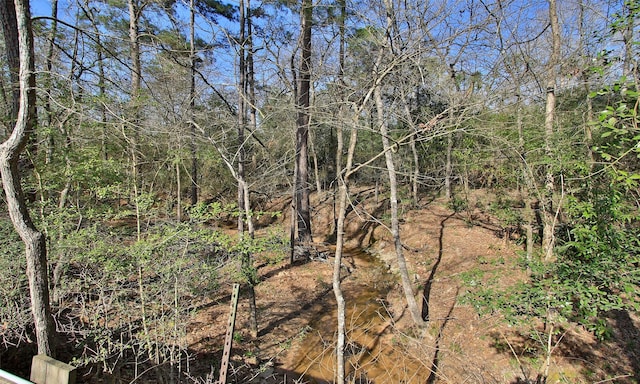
(444, 250)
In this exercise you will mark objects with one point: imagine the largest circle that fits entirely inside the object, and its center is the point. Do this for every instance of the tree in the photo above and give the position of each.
(193, 62)
(302, 124)
(548, 215)
(386, 49)
(16, 23)
(244, 203)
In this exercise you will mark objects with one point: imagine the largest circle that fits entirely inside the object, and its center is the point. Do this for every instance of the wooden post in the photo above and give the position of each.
(228, 341)
(46, 370)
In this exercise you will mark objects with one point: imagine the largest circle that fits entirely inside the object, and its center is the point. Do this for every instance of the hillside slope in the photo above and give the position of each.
(447, 252)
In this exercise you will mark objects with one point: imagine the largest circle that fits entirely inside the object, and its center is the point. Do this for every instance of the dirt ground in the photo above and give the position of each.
(445, 251)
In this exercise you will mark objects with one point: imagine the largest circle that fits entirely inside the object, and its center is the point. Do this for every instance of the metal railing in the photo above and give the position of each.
(11, 378)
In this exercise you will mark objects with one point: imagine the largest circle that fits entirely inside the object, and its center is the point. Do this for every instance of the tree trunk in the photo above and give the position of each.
(21, 38)
(10, 33)
(244, 204)
(448, 168)
(242, 117)
(192, 103)
(302, 130)
(88, 12)
(416, 171)
(134, 102)
(343, 182)
(339, 373)
(629, 67)
(395, 223)
(178, 191)
(414, 152)
(49, 65)
(414, 309)
(316, 169)
(339, 140)
(547, 208)
(588, 136)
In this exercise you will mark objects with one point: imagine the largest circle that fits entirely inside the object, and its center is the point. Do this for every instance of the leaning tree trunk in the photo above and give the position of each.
(395, 223)
(414, 309)
(19, 16)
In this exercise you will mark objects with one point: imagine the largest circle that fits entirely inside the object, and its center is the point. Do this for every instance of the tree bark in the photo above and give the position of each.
(242, 117)
(629, 66)
(302, 130)
(10, 30)
(343, 184)
(395, 223)
(134, 103)
(192, 103)
(244, 204)
(414, 309)
(448, 168)
(343, 102)
(25, 119)
(339, 373)
(548, 216)
(49, 65)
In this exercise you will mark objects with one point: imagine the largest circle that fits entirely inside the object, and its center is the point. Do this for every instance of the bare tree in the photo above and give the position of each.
(16, 23)
(393, 183)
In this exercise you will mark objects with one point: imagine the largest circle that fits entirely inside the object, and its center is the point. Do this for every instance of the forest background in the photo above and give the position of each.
(151, 120)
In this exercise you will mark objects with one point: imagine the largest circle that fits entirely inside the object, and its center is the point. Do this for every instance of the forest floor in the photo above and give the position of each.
(446, 253)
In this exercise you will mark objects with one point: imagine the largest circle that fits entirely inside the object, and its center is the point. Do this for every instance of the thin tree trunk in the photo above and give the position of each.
(49, 65)
(244, 203)
(316, 171)
(343, 184)
(588, 136)
(528, 214)
(416, 171)
(342, 85)
(629, 69)
(178, 192)
(136, 79)
(414, 152)
(192, 104)
(339, 373)
(548, 216)
(88, 12)
(395, 223)
(18, 16)
(134, 102)
(62, 125)
(242, 117)
(302, 130)
(414, 309)
(448, 168)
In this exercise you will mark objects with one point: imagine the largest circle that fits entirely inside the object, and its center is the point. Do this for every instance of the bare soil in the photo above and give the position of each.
(443, 250)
